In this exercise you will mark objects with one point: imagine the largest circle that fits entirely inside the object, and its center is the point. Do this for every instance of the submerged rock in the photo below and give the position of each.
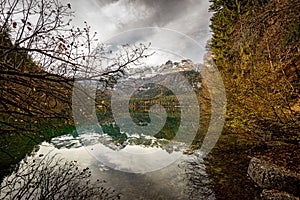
(268, 176)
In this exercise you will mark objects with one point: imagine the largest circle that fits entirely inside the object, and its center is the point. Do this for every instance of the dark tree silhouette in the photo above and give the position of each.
(51, 177)
(41, 54)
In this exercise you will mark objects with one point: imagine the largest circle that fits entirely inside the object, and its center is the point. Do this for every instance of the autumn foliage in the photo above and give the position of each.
(255, 45)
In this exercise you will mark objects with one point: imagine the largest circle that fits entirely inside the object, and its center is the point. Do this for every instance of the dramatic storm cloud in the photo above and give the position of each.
(113, 17)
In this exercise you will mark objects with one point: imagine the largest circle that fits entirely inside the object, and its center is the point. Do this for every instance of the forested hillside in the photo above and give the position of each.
(30, 96)
(255, 45)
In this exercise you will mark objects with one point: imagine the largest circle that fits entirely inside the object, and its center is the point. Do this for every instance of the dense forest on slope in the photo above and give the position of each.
(29, 94)
(255, 45)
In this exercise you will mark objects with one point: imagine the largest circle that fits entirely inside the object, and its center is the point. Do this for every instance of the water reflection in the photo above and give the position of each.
(136, 155)
(180, 180)
(52, 177)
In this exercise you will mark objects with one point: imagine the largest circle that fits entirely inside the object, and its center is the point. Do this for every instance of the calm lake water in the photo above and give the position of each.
(185, 178)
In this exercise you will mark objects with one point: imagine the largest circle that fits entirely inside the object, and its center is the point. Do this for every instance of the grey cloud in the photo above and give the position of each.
(114, 17)
(163, 11)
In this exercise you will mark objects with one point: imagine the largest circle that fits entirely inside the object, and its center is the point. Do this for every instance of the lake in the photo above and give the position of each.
(141, 167)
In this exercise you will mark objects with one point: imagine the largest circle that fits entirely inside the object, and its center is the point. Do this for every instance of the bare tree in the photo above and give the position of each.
(41, 54)
(51, 177)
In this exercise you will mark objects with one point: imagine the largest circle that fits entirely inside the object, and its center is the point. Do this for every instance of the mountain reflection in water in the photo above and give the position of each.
(183, 178)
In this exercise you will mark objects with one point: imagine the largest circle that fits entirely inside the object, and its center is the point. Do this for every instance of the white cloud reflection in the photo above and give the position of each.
(134, 158)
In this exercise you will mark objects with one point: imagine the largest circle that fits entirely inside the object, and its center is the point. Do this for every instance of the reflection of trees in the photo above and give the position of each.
(198, 184)
(50, 177)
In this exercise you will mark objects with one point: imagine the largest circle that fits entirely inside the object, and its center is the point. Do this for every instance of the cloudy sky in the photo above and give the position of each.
(177, 29)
